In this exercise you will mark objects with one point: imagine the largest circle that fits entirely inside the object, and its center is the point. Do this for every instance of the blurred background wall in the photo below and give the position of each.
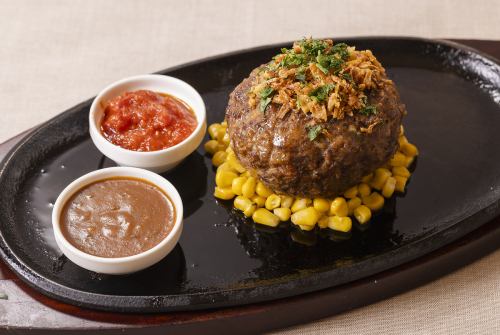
(55, 53)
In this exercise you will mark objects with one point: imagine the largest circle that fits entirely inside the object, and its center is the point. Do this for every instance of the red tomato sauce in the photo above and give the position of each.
(147, 121)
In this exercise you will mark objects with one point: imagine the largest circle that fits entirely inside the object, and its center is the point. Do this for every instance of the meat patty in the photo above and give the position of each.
(280, 153)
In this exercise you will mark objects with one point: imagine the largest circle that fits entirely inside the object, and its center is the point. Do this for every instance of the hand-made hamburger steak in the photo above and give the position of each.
(314, 137)
(316, 119)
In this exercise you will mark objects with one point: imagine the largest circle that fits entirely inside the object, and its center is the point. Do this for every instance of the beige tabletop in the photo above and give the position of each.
(55, 54)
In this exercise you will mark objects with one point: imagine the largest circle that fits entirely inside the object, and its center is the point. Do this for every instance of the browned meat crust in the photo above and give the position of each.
(287, 161)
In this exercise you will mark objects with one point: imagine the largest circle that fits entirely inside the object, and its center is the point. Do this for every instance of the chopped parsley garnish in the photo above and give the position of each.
(264, 103)
(265, 98)
(312, 47)
(348, 77)
(266, 91)
(368, 110)
(329, 62)
(292, 59)
(314, 131)
(326, 57)
(341, 50)
(300, 75)
(317, 78)
(321, 93)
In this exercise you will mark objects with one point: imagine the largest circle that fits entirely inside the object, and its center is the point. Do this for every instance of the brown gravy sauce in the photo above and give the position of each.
(117, 217)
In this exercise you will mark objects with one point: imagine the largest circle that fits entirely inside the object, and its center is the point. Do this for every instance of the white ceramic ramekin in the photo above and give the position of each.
(160, 160)
(118, 265)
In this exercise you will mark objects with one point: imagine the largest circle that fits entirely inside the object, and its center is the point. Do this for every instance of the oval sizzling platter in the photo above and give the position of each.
(452, 95)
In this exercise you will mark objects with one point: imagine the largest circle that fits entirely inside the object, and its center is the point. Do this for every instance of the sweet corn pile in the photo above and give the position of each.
(265, 207)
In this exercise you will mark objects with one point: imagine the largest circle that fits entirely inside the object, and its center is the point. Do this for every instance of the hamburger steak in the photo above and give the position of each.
(308, 154)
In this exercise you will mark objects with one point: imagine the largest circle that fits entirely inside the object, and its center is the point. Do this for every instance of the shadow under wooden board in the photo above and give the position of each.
(435, 70)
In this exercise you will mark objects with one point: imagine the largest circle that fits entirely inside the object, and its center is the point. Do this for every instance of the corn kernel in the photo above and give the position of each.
(223, 193)
(283, 213)
(229, 149)
(366, 179)
(300, 203)
(305, 217)
(225, 166)
(235, 163)
(352, 204)
(224, 178)
(219, 158)
(262, 190)
(306, 228)
(273, 201)
(409, 149)
(380, 177)
(237, 185)
(323, 222)
(216, 132)
(212, 130)
(259, 201)
(339, 207)
(363, 214)
(364, 190)
(212, 146)
(402, 140)
(242, 203)
(389, 187)
(225, 139)
(249, 211)
(400, 171)
(351, 193)
(398, 159)
(321, 205)
(224, 124)
(248, 188)
(400, 183)
(286, 201)
(374, 201)
(339, 223)
(265, 217)
(409, 161)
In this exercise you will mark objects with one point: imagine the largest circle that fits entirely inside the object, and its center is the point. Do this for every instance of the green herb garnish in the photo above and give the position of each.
(291, 60)
(321, 93)
(319, 52)
(341, 50)
(314, 131)
(329, 62)
(300, 75)
(265, 98)
(266, 92)
(312, 47)
(348, 77)
(368, 110)
(264, 103)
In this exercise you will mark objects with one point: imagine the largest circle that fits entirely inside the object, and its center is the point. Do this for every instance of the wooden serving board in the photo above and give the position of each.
(24, 309)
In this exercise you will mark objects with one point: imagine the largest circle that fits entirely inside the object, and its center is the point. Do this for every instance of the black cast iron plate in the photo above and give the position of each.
(452, 95)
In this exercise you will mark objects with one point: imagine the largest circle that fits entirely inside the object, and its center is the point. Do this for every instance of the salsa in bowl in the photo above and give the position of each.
(148, 121)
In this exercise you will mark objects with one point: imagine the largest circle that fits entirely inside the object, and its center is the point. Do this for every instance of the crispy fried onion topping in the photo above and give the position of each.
(320, 78)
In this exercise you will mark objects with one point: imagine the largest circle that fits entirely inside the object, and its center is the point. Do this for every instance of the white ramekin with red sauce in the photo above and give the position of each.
(158, 160)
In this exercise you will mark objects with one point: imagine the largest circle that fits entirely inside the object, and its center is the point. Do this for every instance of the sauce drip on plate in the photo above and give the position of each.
(117, 217)
(147, 121)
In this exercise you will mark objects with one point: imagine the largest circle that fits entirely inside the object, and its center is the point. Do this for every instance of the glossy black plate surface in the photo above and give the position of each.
(452, 94)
